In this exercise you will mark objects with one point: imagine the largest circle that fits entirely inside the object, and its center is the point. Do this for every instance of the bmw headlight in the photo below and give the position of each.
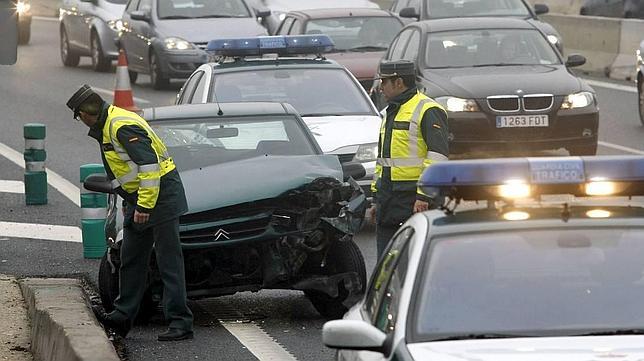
(116, 25)
(177, 44)
(553, 39)
(453, 104)
(22, 7)
(578, 100)
(366, 153)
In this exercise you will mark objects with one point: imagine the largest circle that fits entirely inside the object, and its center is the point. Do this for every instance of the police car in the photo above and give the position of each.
(550, 266)
(329, 98)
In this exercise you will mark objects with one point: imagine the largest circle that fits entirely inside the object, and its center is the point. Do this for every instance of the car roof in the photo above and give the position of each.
(298, 62)
(473, 23)
(236, 109)
(340, 13)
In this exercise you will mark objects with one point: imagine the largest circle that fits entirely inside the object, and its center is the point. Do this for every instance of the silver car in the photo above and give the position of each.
(89, 28)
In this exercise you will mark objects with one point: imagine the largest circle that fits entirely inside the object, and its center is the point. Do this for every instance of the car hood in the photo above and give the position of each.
(258, 178)
(485, 81)
(204, 30)
(294, 5)
(334, 132)
(363, 65)
(626, 348)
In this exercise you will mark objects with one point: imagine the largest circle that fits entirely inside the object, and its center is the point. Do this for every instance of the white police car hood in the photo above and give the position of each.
(587, 348)
(336, 132)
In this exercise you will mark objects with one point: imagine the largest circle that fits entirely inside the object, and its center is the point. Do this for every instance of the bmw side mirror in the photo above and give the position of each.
(409, 13)
(98, 183)
(140, 15)
(540, 9)
(353, 170)
(575, 60)
(353, 335)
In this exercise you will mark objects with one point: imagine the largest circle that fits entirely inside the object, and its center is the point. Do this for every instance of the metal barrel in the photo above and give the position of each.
(35, 156)
(93, 214)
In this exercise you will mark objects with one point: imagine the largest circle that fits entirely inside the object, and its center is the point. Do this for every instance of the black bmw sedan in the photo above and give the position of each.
(505, 87)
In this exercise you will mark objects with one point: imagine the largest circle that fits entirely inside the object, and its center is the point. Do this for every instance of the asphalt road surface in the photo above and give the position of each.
(36, 89)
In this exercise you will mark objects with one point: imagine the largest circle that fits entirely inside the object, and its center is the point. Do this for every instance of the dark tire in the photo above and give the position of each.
(583, 150)
(133, 76)
(156, 77)
(24, 33)
(99, 61)
(342, 257)
(68, 56)
(640, 96)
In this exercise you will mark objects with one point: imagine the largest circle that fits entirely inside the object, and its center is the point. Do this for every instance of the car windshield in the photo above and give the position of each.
(313, 92)
(540, 283)
(195, 143)
(357, 33)
(460, 8)
(189, 9)
(490, 47)
(122, 2)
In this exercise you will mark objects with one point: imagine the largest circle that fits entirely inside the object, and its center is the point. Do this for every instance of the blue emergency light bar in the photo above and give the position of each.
(504, 178)
(282, 45)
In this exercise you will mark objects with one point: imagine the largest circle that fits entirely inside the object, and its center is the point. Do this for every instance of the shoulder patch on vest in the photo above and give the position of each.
(436, 126)
(133, 139)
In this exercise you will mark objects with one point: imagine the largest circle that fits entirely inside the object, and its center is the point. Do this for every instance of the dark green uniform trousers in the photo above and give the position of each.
(135, 259)
(393, 208)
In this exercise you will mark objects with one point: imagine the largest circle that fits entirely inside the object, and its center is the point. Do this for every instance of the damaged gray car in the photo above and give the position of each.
(267, 209)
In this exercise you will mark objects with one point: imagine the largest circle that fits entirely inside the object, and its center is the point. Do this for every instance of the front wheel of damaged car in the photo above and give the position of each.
(342, 257)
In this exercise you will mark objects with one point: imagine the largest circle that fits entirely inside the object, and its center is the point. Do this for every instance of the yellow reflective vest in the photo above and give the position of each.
(409, 152)
(131, 177)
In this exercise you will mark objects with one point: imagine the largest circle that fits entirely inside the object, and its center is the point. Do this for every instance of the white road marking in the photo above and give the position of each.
(41, 231)
(622, 148)
(258, 342)
(45, 18)
(7, 186)
(111, 93)
(613, 86)
(65, 187)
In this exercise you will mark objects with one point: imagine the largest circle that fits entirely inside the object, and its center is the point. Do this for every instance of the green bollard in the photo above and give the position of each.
(93, 214)
(35, 156)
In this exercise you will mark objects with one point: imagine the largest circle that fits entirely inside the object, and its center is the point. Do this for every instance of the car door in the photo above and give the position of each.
(138, 38)
(86, 9)
(127, 36)
(73, 21)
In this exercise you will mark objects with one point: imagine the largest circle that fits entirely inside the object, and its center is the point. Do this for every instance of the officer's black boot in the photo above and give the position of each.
(121, 326)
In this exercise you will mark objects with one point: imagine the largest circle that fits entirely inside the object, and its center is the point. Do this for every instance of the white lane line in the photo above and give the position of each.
(607, 85)
(65, 187)
(41, 231)
(7, 186)
(111, 93)
(258, 342)
(45, 18)
(622, 148)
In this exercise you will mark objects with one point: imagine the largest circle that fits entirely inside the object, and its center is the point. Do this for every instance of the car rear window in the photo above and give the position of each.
(313, 92)
(357, 33)
(541, 282)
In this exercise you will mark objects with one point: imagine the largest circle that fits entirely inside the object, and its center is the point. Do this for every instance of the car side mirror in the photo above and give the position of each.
(575, 60)
(262, 13)
(409, 13)
(353, 170)
(98, 183)
(540, 9)
(140, 15)
(353, 335)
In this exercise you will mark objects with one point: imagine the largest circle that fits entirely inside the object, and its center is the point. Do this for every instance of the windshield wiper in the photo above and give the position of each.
(625, 331)
(216, 16)
(169, 17)
(368, 48)
(498, 64)
(321, 115)
(480, 336)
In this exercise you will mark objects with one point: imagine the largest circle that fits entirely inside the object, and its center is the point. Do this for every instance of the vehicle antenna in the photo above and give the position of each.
(214, 95)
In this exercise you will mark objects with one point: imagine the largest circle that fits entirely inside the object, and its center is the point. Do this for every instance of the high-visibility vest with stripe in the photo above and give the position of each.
(128, 175)
(409, 152)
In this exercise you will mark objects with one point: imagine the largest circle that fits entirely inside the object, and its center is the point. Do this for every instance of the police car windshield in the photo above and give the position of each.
(355, 33)
(313, 92)
(459, 8)
(490, 47)
(545, 282)
(186, 9)
(195, 143)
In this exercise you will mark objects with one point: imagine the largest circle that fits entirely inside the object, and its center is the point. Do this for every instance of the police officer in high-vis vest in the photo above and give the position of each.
(413, 135)
(144, 175)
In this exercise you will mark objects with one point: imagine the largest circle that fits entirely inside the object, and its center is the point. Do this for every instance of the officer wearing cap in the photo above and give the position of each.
(145, 176)
(413, 135)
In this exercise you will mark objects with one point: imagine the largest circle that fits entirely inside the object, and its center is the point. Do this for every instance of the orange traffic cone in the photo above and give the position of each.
(122, 90)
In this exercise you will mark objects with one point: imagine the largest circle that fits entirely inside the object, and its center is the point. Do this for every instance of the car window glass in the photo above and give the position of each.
(397, 52)
(179, 9)
(399, 5)
(383, 273)
(189, 88)
(357, 33)
(414, 4)
(285, 26)
(412, 47)
(489, 48)
(200, 89)
(298, 86)
(296, 27)
(131, 6)
(553, 282)
(387, 314)
(456, 8)
(195, 143)
(145, 5)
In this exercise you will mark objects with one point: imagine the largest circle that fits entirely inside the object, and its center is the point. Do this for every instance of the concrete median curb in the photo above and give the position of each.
(63, 328)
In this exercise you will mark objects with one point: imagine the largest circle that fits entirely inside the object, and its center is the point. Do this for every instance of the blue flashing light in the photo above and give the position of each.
(477, 179)
(282, 45)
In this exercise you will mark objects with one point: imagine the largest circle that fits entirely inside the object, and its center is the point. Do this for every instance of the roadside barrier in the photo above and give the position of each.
(122, 90)
(93, 214)
(35, 156)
